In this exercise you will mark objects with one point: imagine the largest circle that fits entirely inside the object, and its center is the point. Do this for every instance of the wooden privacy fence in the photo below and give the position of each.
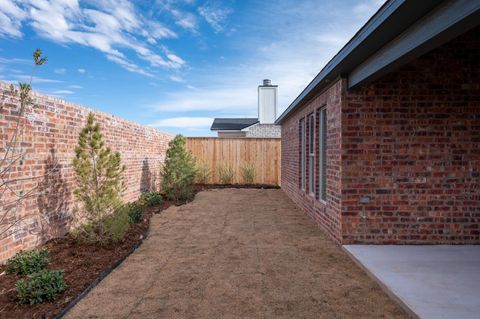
(263, 153)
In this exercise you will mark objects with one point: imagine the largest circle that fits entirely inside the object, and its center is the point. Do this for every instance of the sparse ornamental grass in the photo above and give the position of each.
(248, 173)
(28, 262)
(151, 198)
(40, 286)
(203, 173)
(226, 174)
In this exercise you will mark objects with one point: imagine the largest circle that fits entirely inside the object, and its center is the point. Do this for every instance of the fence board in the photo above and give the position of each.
(264, 153)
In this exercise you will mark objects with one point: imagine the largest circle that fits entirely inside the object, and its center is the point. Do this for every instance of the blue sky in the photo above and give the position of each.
(171, 64)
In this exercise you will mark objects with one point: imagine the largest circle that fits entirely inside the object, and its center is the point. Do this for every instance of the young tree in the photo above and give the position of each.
(12, 186)
(178, 175)
(99, 184)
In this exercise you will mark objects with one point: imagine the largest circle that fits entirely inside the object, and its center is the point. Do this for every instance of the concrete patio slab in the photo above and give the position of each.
(432, 281)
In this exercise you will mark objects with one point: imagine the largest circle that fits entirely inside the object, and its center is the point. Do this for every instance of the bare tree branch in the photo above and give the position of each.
(14, 154)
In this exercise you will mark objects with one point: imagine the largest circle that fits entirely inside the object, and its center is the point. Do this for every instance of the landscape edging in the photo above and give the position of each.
(99, 279)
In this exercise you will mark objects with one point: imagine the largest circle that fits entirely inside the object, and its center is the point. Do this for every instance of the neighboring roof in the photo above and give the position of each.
(232, 124)
(395, 17)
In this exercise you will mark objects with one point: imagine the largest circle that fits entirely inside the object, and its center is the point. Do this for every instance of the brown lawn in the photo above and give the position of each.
(237, 253)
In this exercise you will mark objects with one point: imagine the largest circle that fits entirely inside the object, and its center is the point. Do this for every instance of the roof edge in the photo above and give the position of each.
(369, 38)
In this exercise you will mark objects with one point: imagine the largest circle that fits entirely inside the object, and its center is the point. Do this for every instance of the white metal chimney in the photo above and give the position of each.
(267, 102)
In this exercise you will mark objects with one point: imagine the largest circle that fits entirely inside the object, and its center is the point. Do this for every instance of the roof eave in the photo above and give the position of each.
(389, 21)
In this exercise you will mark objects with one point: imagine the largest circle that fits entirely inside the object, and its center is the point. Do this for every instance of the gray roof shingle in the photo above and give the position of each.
(232, 124)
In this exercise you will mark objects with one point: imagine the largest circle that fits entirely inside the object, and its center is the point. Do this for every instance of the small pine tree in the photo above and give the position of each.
(99, 183)
(178, 175)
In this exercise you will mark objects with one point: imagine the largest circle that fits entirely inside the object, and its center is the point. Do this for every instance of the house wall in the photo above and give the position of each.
(264, 131)
(234, 134)
(326, 214)
(49, 138)
(403, 153)
(411, 144)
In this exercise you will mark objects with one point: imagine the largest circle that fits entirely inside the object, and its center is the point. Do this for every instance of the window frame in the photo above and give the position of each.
(322, 148)
(311, 153)
(302, 130)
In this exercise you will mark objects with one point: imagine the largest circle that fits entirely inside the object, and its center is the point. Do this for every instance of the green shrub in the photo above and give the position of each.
(226, 174)
(41, 286)
(98, 173)
(27, 262)
(116, 225)
(134, 212)
(203, 173)
(111, 229)
(178, 174)
(248, 173)
(151, 198)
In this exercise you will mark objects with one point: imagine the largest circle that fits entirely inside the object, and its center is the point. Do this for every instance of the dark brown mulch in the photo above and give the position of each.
(216, 186)
(83, 264)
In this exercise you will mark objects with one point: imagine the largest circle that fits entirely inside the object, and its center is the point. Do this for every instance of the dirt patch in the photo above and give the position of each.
(237, 253)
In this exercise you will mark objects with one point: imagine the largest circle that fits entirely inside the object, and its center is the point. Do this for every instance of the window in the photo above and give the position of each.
(322, 154)
(311, 153)
(301, 134)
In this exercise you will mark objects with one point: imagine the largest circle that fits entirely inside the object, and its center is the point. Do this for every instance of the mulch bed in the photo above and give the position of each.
(83, 264)
(216, 186)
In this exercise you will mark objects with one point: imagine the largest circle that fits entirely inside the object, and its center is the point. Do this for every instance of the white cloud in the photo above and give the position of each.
(15, 61)
(26, 79)
(113, 27)
(302, 38)
(185, 20)
(81, 71)
(75, 86)
(158, 32)
(215, 14)
(61, 92)
(35, 79)
(182, 18)
(366, 7)
(208, 99)
(177, 78)
(336, 39)
(175, 60)
(184, 122)
(11, 17)
(60, 71)
(129, 66)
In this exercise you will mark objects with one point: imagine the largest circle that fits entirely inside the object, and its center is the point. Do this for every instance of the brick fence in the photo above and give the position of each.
(49, 138)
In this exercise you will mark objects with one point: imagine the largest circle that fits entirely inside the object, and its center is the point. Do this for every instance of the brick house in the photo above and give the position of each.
(259, 127)
(383, 146)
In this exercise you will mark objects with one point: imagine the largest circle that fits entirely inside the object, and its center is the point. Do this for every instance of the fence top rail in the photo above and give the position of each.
(234, 138)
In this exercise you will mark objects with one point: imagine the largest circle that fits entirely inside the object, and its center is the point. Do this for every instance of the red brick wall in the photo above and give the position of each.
(49, 138)
(328, 214)
(411, 143)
